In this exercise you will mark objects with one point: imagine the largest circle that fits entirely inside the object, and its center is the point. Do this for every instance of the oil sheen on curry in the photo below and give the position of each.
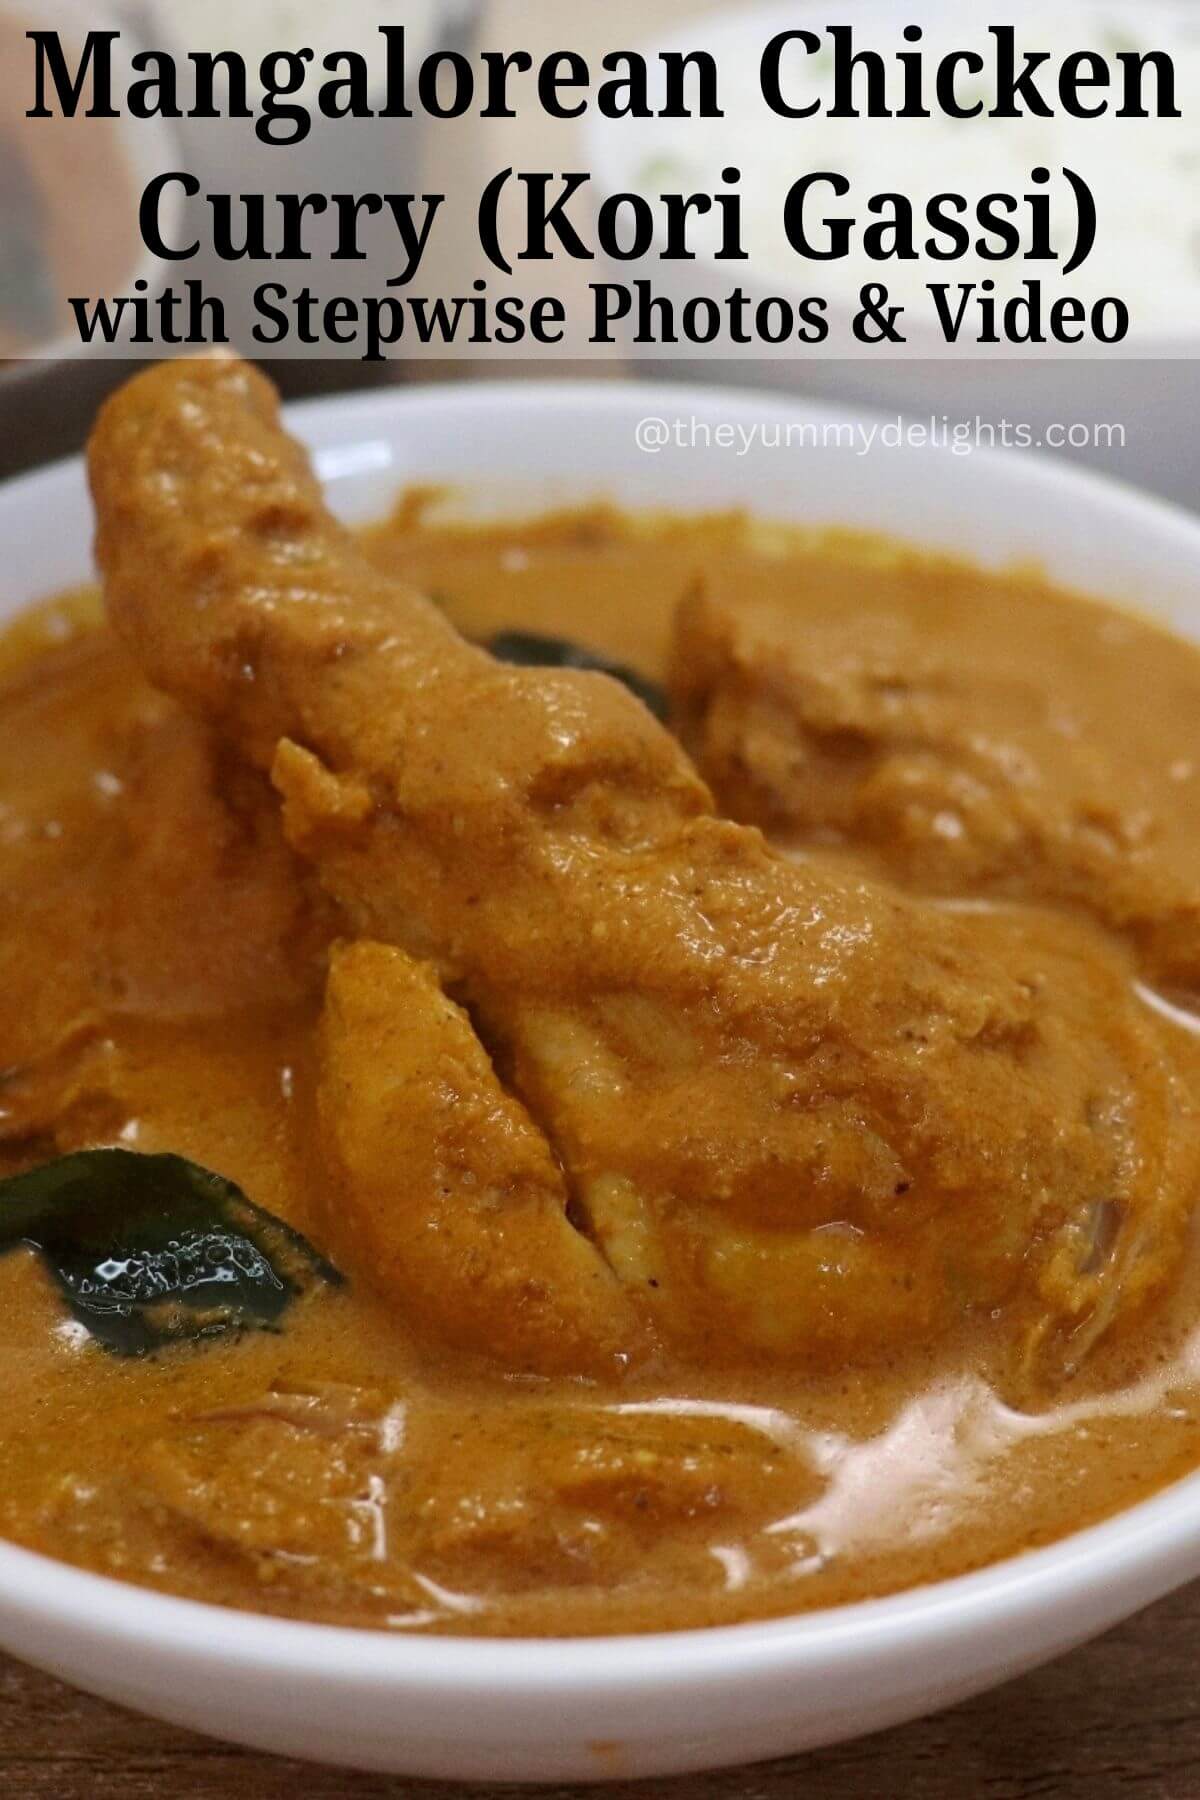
(685, 1031)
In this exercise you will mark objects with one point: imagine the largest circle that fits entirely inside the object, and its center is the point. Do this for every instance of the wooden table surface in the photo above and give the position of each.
(1120, 1717)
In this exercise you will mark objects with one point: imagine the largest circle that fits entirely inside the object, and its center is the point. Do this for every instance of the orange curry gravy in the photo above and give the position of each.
(161, 968)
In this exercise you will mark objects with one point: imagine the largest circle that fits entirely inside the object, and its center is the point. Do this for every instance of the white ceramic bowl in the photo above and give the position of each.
(673, 1702)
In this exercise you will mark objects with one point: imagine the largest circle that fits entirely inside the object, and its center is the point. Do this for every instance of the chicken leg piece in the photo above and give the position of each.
(798, 1115)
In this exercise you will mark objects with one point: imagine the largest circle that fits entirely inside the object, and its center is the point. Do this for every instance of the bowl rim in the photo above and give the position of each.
(1146, 1549)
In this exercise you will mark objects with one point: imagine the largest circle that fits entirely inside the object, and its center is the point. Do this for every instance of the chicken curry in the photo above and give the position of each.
(581, 1075)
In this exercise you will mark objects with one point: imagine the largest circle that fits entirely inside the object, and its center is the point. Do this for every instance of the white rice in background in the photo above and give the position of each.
(1145, 175)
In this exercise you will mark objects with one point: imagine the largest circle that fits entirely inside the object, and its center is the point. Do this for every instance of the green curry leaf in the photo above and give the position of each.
(533, 650)
(150, 1250)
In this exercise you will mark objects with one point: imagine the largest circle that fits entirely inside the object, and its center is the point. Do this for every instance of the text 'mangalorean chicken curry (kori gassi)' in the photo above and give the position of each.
(591, 1074)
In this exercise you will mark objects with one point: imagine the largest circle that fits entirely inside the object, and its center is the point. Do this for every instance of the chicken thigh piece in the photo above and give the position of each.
(934, 738)
(799, 1115)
